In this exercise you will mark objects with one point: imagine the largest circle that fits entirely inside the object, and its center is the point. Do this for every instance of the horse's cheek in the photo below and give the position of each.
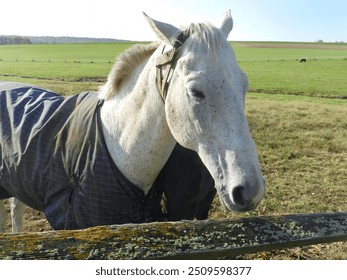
(174, 121)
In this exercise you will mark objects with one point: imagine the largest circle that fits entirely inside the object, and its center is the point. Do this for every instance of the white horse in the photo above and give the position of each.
(204, 110)
(187, 89)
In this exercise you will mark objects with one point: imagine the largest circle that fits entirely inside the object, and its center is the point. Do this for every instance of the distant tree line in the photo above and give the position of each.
(70, 40)
(14, 40)
(321, 41)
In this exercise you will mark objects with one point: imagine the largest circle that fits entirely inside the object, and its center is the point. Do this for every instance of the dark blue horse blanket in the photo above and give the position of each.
(54, 159)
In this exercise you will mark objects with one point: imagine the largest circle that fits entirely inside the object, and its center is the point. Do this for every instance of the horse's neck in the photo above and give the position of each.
(135, 129)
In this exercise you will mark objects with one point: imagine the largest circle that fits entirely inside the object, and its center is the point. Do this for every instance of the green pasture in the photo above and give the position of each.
(271, 67)
(104, 52)
(275, 68)
(322, 77)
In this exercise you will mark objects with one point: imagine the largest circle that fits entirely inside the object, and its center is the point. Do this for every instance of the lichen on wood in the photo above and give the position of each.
(178, 240)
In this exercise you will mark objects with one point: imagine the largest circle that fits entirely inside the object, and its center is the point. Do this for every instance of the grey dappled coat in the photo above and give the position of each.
(54, 159)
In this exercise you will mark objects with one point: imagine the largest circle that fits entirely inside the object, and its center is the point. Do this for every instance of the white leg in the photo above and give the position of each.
(3, 216)
(17, 213)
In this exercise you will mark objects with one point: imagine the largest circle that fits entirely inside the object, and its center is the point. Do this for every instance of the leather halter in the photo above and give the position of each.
(168, 59)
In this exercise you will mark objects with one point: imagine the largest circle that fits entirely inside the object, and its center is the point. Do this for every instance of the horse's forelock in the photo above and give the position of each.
(206, 34)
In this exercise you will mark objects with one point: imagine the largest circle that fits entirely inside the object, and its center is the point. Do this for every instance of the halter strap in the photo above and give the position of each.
(168, 58)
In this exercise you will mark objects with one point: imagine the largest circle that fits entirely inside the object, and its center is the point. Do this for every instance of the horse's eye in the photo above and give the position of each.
(198, 94)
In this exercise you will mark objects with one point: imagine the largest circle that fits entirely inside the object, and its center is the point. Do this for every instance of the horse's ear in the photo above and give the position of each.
(226, 23)
(165, 32)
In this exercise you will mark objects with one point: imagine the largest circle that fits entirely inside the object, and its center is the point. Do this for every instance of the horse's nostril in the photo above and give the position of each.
(238, 194)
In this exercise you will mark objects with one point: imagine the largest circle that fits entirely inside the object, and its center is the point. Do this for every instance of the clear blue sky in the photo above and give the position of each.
(258, 20)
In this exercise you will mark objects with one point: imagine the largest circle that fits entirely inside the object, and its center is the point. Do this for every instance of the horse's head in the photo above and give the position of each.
(205, 107)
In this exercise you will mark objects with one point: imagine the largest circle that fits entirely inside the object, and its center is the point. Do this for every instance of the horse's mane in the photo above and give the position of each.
(124, 66)
(199, 34)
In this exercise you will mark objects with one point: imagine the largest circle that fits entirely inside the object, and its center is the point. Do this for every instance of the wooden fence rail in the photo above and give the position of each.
(207, 239)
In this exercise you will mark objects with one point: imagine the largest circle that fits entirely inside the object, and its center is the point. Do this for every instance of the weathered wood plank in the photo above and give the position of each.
(178, 240)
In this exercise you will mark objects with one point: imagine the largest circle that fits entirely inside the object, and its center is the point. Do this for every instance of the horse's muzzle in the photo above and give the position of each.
(243, 198)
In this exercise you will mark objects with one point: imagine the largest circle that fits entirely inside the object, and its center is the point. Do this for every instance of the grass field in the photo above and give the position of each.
(303, 153)
(271, 67)
(300, 136)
